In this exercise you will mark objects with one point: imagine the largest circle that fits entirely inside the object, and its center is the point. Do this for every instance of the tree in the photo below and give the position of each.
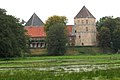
(54, 20)
(116, 39)
(104, 37)
(108, 22)
(12, 36)
(56, 35)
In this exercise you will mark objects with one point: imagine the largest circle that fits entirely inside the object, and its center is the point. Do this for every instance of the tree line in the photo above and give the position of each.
(109, 33)
(12, 36)
(13, 39)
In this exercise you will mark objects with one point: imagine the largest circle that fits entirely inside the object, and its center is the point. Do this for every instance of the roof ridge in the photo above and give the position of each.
(34, 21)
(84, 13)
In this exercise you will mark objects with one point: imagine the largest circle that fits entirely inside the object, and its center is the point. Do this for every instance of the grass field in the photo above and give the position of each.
(73, 51)
(80, 67)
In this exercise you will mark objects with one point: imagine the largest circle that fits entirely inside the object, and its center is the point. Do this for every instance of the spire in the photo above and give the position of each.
(34, 21)
(84, 13)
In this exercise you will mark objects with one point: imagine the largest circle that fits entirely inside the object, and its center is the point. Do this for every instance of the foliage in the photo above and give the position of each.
(12, 36)
(116, 38)
(54, 20)
(110, 23)
(104, 37)
(56, 35)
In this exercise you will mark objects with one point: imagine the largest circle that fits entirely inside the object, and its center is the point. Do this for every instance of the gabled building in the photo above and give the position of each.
(36, 32)
(85, 28)
(82, 33)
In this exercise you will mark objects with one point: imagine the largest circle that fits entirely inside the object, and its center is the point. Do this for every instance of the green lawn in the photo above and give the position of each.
(87, 67)
(112, 74)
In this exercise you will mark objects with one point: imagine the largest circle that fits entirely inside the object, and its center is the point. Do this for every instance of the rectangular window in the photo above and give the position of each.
(75, 31)
(79, 36)
(75, 23)
(78, 21)
(86, 28)
(82, 21)
(86, 21)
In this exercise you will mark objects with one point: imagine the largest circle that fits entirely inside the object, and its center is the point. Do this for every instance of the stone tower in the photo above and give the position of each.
(85, 28)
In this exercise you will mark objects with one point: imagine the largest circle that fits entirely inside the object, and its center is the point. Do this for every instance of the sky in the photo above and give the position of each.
(24, 9)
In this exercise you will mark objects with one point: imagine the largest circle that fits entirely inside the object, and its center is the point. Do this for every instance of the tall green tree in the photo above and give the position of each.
(110, 23)
(12, 36)
(116, 39)
(104, 37)
(56, 35)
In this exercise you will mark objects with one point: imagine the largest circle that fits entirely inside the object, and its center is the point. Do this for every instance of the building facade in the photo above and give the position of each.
(82, 33)
(85, 28)
(35, 30)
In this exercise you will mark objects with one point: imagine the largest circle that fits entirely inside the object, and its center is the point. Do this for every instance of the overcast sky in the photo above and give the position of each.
(24, 9)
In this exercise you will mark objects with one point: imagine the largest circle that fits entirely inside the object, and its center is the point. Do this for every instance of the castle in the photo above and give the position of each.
(82, 33)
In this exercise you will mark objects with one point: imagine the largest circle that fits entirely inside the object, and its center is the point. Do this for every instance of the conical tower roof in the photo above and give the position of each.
(34, 21)
(84, 13)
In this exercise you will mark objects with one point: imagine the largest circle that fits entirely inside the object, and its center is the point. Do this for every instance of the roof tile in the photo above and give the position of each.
(35, 31)
(40, 31)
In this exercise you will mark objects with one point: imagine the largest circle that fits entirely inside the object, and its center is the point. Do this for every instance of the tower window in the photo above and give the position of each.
(75, 31)
(86, 28)
(82, 21)
(78, 21)
(75, 23)
(79, 36)
(82, 44)
(86, 21)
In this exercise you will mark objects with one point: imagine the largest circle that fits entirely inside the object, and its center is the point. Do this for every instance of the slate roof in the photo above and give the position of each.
(34, 21)
(84, 13)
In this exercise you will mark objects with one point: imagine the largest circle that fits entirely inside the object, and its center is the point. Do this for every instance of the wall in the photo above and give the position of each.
(85, 32)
